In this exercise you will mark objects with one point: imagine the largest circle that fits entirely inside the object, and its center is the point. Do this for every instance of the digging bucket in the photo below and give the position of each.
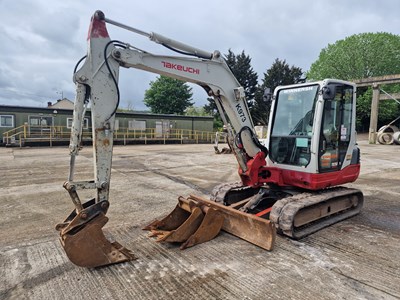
(189, 223)
(84, 242)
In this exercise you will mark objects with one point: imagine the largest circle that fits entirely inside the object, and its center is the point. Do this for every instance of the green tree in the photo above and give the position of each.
(361, 56)
(240, 66)
(128, 108)
(280, 73)
(388, 109)
(358, 56)
(211, 109)
(196, 111)
(168, 96)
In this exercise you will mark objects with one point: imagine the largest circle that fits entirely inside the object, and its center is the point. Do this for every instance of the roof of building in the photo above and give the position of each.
(68, 111)
(61, 104)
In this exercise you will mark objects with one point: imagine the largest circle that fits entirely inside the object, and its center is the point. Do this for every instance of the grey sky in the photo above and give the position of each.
(42, 40)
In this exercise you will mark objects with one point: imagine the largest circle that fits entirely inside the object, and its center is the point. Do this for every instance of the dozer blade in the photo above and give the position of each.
(86, 245)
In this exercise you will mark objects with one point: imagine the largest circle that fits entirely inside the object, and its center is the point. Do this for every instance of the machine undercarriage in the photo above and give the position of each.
(293, 212)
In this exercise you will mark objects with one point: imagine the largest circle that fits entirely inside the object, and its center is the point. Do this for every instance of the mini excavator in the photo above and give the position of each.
(292, 186)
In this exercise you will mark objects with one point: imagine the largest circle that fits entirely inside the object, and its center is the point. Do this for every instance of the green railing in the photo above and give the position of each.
(30, 133)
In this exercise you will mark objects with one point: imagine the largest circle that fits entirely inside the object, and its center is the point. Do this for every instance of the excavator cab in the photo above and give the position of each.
(313, 131)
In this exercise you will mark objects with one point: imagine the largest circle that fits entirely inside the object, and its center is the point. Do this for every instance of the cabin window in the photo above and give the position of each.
(6, 121)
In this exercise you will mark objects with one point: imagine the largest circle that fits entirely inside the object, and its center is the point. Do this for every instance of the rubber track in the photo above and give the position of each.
(219, 192)
(284, 211)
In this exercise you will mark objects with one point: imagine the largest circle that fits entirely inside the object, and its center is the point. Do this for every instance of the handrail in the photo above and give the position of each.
(62, 133)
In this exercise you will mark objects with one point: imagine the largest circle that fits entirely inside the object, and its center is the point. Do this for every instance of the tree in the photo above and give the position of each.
(388, 109)
(211, 109)
(196, 111)
(279, 74)
(168, 96)
(129, 107)
(240, 66)
(358, 56)
(361, 56)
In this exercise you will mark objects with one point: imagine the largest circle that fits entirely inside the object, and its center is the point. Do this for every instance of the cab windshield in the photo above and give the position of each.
(292, 125)
(293, 114)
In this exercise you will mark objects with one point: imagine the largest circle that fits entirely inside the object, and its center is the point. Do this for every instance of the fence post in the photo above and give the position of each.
(51, 140)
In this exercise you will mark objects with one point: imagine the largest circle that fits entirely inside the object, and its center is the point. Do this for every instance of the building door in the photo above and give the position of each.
(40, 125)
(162, 129)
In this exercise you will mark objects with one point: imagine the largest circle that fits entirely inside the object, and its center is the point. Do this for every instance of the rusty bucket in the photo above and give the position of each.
(84, 242)
(189, 223)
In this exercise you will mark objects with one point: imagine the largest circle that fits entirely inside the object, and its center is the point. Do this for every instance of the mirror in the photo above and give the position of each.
(329, 92)
(267, 95)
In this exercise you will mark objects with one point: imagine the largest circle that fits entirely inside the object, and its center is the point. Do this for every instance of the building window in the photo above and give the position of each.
(6, 121)
(137, 125)
(85, 123)
(116, 124)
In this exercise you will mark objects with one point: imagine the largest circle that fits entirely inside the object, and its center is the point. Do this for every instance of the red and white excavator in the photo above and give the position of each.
(293, 187)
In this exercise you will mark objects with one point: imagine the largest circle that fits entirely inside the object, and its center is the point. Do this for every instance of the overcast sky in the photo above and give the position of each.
(41, 40)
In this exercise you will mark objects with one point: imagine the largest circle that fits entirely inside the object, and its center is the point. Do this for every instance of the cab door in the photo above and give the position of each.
(335, 127)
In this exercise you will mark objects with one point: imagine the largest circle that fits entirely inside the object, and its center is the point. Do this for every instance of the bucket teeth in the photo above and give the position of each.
(189, 228)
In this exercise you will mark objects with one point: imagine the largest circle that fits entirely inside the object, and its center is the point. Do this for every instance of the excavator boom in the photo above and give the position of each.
(193, 221)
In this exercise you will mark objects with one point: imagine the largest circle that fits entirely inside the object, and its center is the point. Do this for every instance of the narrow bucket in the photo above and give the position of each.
(189, 224)
(208, 229)
(87, 246)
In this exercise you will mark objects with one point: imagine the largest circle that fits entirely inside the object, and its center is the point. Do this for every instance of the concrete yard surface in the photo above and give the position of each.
(358, 258)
